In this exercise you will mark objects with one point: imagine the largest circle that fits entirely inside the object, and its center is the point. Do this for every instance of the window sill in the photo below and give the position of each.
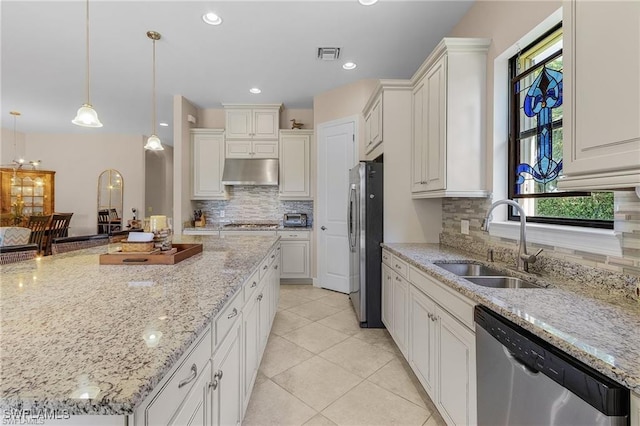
(598, 241)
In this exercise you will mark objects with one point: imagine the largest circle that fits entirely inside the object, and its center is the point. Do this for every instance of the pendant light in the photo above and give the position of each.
(86, 115)
(153, 143)
(19, 161)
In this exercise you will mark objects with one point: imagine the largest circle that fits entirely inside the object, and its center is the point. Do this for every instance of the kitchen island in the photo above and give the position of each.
(83, 338)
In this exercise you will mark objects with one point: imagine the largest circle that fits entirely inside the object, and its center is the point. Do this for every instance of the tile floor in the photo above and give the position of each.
(321, 368)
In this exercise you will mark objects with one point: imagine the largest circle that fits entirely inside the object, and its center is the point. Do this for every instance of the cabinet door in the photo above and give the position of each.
(238, 123)
(295, 259)
(196, 406)
(635, 409)
(239, 149)
(376, 122)
(265, 124)
(400, 312)
(456, 364)
(601, 107)
(251, 333)
(295, 166)
(265, 311)
(227, 373)
(422, 338)
(207, 166)
(264, 149)
(387, 297)
(368, 143)
(435, 121)
(275, 289)
(418, 180)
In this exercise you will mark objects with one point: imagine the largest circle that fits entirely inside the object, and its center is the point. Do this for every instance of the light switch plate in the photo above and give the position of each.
(464, 226)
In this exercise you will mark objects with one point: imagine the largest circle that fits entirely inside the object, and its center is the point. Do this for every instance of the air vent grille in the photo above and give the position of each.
(328, 53)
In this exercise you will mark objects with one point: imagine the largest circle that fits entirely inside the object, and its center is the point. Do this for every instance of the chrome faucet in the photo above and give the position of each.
(523, 260)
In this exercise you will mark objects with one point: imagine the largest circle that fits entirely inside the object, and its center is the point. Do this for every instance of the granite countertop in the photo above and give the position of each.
(599, 327)
(72, 329)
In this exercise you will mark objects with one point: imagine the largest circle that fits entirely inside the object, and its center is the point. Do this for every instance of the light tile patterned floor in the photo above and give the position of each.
(321, 368)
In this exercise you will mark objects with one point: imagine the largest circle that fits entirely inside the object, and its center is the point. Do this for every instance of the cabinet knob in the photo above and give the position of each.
(233, 313)
(254, 284)
(260, 297)
(324, 228)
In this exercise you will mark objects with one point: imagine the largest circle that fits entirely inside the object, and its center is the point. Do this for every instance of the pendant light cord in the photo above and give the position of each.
(153, 118)
(88, 75)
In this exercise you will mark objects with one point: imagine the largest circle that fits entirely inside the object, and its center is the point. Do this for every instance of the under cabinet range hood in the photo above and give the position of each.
(250, 171)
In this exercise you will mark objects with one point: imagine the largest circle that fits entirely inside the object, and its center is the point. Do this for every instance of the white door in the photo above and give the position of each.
(336, 155)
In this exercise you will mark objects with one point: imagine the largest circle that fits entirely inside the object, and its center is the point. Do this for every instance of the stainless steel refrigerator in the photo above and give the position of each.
(365, 235)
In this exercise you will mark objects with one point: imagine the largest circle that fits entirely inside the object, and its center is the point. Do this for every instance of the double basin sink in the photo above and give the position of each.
(485, 276)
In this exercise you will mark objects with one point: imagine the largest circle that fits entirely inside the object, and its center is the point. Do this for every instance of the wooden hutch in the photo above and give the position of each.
(25, 193)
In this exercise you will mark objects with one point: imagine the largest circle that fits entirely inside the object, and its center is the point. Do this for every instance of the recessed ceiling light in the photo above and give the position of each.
(164, 124)
(212, 19)
(255, 90)
(367, 2)
(349, 65)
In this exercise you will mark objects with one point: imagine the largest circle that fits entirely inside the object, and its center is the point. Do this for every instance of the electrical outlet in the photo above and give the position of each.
(221, 213)
(464, 226)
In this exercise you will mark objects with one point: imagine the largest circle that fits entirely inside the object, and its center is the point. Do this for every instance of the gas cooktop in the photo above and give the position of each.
(251, 226)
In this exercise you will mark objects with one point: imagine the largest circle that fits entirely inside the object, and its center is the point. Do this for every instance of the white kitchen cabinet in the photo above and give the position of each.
(601, 142)
(207, 164)
(635, 409)
(275, 289)
(248, 121)
(422, 338)
(373, 124)
(295, 255)
(295, 164)
(226, 385)
(448, 141)
(195, 410)
(456, 369)
(252, 340)
(251, 149)
(387, 297)
(400, 312)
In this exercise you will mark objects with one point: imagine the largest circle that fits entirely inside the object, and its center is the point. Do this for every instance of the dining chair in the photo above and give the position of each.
(67, 244)
(39, 225)
(59, 227)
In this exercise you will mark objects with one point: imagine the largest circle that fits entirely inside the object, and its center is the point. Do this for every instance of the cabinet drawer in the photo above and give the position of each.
(386, 257)
(227, 317)
(251, 286)
(452, 301)
(399, 266)
(294, 235)
(170, 397)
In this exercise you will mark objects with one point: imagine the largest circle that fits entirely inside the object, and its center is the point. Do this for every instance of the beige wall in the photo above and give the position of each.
(7, 150)
(159, 182)
(182, 108)
(78, 160)
(213, 118)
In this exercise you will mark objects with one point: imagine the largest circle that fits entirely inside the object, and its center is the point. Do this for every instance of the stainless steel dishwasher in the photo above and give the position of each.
(523, 380)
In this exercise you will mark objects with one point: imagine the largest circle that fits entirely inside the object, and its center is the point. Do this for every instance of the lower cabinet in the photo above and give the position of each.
(387, 296)
(422, 339)
(196, 409)
(295, 254)
(400, 312)
(227, 373)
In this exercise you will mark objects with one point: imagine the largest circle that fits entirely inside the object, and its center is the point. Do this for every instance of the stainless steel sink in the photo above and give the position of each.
(502, 282)
(469, 269)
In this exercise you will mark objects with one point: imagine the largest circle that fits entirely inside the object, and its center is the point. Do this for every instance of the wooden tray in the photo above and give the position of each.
(171, 257)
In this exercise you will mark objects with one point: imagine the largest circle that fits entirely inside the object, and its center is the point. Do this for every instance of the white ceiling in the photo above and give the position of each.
(269, 44)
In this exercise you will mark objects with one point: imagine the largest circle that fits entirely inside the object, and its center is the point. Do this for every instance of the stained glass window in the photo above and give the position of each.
(535, 145)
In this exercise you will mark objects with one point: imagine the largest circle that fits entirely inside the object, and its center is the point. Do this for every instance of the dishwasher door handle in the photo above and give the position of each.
(527, 370)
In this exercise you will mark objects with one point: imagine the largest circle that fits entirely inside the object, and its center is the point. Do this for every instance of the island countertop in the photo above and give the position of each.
(95, 339)
(598, 326)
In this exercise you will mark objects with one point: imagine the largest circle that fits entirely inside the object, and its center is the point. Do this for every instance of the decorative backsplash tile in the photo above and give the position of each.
(592, 268)
(252, 203)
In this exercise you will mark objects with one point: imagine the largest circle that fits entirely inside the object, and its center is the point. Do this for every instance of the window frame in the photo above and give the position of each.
(514, 146)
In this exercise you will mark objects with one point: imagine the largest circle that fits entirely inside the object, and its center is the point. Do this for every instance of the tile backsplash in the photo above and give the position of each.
(588, 267)
(252, 203)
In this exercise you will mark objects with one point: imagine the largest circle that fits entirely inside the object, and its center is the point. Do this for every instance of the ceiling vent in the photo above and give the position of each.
(328, 53)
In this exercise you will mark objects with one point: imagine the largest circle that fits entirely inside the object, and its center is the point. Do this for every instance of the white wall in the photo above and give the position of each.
(78, 160)
(159, 183)
(182, 108)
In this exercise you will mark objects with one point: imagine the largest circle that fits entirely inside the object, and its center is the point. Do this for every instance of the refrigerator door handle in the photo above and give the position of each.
(352, 218)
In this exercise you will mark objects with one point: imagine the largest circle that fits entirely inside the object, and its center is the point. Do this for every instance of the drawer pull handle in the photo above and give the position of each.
(278, 248)
(293, 235)
(264, 268)
(273, 255)
(260, 297)
(397, 279)
(398, 266)
(254, 284)
(233, 313)
(192, 376)
(275, 267)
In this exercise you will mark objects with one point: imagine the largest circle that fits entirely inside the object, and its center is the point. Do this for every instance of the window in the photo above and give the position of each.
(535, 141)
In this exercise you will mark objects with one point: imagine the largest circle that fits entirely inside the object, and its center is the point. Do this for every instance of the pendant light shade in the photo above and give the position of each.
(86, 115)
(153, 142)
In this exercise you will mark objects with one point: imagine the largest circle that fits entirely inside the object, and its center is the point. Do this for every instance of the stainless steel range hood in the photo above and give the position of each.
(250, 171)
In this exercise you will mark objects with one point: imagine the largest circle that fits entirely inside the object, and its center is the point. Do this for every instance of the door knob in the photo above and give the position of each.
(323, 228)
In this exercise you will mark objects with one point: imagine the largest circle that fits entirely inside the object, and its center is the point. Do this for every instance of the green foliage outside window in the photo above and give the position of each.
(597, 206)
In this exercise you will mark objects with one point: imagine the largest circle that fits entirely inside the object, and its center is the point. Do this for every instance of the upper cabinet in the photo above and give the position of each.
(295, 164)
(448, 140)
(252, 121)
(207, 163)
(601, 95)
(373, 124)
